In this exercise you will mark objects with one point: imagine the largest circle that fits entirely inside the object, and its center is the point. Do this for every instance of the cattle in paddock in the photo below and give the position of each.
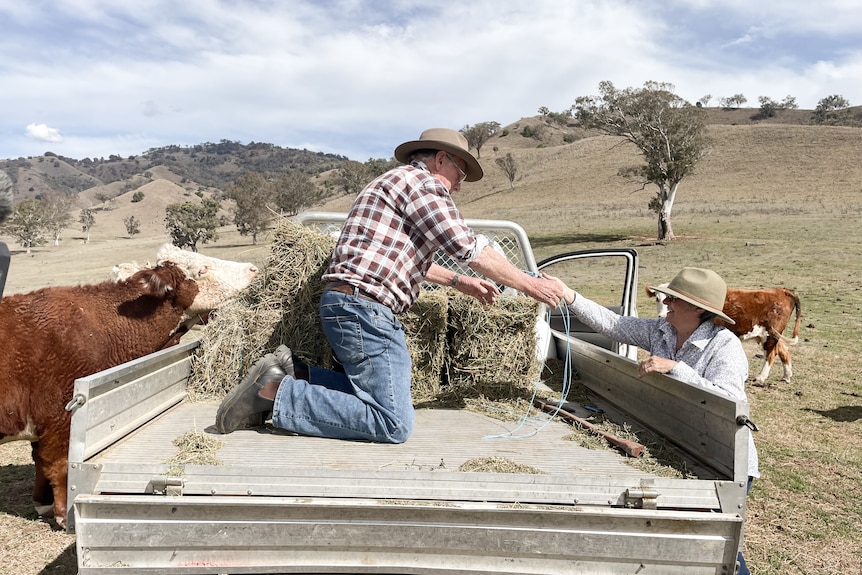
(762, 315)
(54, 335)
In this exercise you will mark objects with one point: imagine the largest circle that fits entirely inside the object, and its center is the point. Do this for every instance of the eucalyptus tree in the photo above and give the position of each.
(669, 132)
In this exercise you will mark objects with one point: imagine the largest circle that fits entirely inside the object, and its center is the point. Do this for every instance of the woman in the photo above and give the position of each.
(685, 343)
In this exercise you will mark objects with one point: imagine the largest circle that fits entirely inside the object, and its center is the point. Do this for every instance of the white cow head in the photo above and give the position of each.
(217, 280)
(660, 307)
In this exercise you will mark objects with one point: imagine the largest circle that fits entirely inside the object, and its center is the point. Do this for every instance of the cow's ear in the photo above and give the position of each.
(203, 270)
(154, 283)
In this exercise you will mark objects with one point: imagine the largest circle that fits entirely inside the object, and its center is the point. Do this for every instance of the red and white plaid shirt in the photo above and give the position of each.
(390, 236)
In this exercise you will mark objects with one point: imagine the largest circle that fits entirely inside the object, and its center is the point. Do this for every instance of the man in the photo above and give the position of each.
(384, 253)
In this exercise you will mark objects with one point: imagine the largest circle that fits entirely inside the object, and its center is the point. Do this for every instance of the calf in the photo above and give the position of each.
(759, 314)
(55, 335)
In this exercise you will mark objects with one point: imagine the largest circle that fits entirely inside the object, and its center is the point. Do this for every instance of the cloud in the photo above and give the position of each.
(356, 77)
(43, 133)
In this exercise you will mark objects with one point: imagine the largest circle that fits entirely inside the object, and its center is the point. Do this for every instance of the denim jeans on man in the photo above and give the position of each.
(371, 400)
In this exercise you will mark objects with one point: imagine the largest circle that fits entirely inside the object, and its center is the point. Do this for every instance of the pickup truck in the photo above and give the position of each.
(279, 503)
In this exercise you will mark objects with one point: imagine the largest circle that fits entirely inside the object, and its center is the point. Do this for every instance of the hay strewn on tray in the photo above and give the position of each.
(497, 465)
(460, 347)
(194, 448)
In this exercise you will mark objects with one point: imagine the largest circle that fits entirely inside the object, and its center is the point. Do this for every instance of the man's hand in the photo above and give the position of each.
(481, 289)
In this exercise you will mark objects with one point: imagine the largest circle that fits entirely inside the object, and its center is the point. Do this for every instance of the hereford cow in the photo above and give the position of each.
(54, 335)
(759, 314)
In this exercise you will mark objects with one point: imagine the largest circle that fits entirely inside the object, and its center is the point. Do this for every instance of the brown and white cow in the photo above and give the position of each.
(760, 314)
(54, 335)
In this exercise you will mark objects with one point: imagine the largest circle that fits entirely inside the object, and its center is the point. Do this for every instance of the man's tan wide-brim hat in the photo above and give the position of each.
(699, 287)
(446, 140)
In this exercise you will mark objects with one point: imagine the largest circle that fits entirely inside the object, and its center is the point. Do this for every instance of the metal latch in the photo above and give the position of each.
(76, 402)
(744, 420)
(643, 497)
(171, 486)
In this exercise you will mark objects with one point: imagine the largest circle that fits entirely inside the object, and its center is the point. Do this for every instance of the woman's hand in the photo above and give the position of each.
(568, 293)
(655, 363)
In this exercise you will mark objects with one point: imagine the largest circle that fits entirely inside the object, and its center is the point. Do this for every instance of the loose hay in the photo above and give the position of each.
(497, 465)
(659, 457)
(194, 448)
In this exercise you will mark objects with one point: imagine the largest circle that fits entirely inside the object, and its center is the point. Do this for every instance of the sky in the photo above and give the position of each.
(94, 78)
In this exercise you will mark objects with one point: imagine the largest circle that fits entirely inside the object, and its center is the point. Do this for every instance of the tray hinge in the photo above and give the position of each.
(642, 497)
(172, 486)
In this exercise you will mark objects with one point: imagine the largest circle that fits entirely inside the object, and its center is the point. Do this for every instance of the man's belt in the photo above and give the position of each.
(349, 289)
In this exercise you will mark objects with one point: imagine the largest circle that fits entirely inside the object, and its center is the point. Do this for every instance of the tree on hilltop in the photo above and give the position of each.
(735, 101)
(669, 132)
(834, 110)
(769, 107)
(477, 135)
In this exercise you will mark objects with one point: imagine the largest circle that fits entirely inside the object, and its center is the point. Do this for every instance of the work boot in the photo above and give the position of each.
(285, 359)
(243, 401)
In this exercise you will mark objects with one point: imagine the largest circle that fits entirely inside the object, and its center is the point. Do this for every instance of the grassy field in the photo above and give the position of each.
(771, 206)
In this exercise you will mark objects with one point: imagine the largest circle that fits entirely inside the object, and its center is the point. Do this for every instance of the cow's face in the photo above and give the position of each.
(660, 307)
(217, 280)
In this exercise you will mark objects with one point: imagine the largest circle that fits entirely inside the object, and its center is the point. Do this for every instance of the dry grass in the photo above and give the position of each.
(795, 190)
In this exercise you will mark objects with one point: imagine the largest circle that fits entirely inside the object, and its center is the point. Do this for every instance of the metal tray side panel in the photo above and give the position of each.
(701, 422)
(115, 401)
(109, 405)
(278, 535)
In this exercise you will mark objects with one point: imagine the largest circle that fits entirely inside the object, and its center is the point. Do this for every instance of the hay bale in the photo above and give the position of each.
(425, 329)
(460, 347)
(492, 349)
(280, 306)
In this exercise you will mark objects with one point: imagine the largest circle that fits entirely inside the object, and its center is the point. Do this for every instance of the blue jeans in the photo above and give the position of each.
(371, 400)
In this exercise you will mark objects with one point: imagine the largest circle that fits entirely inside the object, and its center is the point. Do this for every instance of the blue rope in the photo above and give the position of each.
(545, 418)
